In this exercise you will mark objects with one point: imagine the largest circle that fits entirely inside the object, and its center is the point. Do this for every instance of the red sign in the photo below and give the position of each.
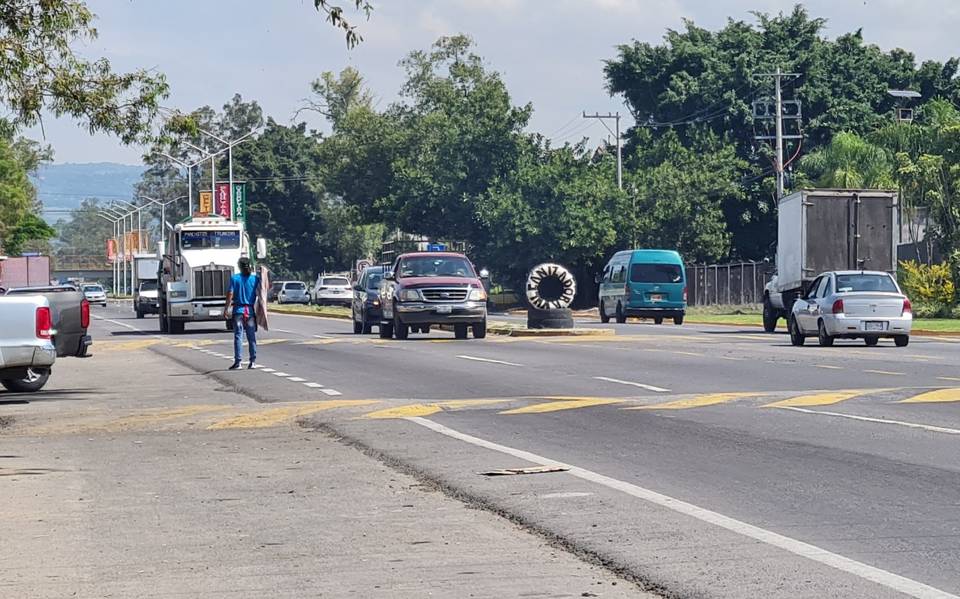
(111, 250)
(221, 201)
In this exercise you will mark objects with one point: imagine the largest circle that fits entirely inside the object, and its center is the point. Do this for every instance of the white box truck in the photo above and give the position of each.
(145, 284)
(820, 230)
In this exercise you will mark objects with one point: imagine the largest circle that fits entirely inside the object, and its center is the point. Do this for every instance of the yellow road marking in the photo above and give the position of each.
(318, 342)
(829, 366)
(557, 406)
(272, 341)
(820, 399)
(455, 404)
(884, 372)
(200, 342)
(938, 396)
(275, 416)
(699, 401)
(427, 409)
(127, 345)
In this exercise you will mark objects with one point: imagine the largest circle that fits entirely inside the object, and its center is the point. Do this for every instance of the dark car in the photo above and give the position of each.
(366, 299)
(274, 291)
(433, 288)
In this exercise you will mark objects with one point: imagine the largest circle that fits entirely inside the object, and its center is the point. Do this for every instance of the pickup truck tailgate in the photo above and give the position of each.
(19, 344)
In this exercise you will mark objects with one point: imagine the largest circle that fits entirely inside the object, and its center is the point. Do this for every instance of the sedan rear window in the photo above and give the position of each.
(883, 283)
(296, 286)
(336, 282)
(656, 273)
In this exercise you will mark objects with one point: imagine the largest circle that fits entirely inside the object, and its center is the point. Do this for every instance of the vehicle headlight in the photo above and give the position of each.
(477, 295)
(409, 295)
(179, 293)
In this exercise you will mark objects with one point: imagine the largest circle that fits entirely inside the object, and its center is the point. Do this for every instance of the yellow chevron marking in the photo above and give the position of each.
(700, 401)
(563, 404)
(938, 396)
(820, 399)
(110, 346)
(275, 416)
(426, 409)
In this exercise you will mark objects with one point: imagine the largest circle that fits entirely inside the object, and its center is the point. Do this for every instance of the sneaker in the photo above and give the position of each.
(251, 366)
(235, 366)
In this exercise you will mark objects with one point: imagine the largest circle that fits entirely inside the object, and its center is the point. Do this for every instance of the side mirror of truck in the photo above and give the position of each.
(261, 248)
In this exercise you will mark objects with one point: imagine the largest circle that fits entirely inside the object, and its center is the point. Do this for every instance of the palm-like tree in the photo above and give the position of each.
(850, 162)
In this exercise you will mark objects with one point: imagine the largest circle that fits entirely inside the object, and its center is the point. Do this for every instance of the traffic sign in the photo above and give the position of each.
(436, 247)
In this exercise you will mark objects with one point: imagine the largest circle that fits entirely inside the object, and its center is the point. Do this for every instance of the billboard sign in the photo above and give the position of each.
(112, 250)
(221, 200)
(240, 202)
(206, 203)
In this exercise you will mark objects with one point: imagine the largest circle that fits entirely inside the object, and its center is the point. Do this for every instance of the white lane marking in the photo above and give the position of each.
(286, 331)
(882, 577)
(926, 427)
(633, 384)
(313, 385)
(331, 391)
(568, 495)
(297, 379)
(258, 367)
(268, 370)
(322, 337)
(489, 361)
(283, 374)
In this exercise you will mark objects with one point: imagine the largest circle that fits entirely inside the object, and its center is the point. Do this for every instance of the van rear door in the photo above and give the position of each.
(657, 284)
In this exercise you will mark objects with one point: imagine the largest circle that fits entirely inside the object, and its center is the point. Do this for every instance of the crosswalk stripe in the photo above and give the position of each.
(700, 401)
(819, 399)
(938, 396)
(557, 406)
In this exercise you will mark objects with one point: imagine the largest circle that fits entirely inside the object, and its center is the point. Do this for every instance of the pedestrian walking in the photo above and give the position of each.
(242, 300)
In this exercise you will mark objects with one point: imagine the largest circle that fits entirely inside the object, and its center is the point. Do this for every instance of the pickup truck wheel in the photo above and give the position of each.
(460, 331)
(604, 317)
(400, 331)
(480, 329)
(796, 337)
(825, 339)
(33, 382)
(770, 316)
(901, 340)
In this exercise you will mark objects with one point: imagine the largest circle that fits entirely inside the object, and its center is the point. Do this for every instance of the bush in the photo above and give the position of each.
(933, 310)
(929, 284)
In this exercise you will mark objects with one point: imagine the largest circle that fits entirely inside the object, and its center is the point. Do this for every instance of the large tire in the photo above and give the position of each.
(357, 327)
(175, 326)
(621, 316)
(400, 331)
(386, 330)
(557, 318)
(550, 286)
(480, 329)
(902, 340)
(678, 320)
(822, 336)
(796, 337)
(34, 381)
(460, 331)
(770, 316)
(604, 317)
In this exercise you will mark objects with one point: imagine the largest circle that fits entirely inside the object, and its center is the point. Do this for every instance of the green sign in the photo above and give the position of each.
(240, 202)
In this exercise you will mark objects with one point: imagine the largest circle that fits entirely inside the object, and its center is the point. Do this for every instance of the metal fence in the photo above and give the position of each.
(727, 284)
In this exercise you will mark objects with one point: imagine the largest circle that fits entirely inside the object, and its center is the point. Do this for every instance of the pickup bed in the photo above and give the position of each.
(70, 312)
(27, 352)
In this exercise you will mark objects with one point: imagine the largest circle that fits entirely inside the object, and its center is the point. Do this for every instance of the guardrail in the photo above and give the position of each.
(727, 284)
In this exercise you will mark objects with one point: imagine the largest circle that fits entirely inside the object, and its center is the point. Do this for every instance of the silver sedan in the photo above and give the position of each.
(858, 304)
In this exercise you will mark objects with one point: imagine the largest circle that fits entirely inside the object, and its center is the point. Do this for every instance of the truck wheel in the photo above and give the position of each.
(678, 320)
(175, 326)
(400, 331)
(139, 313)
(33, 382)
(901, 340)
(770, 316)
(480, 329)
(621, 317)
(604, 317)
(658, 320)
(460, 331)
(796, 336)
(386, 330)
(823, 337)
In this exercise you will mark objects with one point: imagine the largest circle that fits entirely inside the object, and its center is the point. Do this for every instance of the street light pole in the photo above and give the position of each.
(163, 215)
(123, 256)
(113, 267)
(189, 168)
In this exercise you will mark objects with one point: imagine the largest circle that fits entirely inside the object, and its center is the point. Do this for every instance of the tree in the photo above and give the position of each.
(849, 162)
(16, 191)
(85, 233)
(39, 70)
(335, 17)
(30, 228)
(336, 96)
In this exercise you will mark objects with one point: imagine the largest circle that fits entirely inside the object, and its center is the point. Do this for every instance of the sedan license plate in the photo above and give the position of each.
(444, 309)
(874, 326)
(656, 297)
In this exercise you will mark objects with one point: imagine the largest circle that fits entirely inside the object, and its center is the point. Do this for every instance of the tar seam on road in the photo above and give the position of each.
(926, 427)
(633, 384)
(879, 576)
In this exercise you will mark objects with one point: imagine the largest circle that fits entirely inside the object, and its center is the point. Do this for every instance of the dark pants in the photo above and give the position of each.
(243, 324)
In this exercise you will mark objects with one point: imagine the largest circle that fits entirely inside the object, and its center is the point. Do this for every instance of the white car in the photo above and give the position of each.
(333, 290)
(95, 294)
(849, 304)
(293, 292)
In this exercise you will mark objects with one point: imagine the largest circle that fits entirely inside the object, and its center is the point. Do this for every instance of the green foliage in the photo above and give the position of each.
(16, 191)
(927, 283)
(850, 162)
(30, 228)
(336, 96)
(39, 70)
(84, 233)
(924, 309)
(336, 18)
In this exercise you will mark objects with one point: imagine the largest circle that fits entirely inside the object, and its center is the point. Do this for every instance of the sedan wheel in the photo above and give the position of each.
(871, 341)
(796, 337)
(901, 340)
(825, 339)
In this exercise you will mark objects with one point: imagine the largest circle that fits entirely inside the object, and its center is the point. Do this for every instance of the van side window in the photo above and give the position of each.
(618, 272)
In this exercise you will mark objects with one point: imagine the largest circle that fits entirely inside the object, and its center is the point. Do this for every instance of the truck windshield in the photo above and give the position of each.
(864, 282)
(148, 286)
(204, 240)
(441, 266)
(655, 273)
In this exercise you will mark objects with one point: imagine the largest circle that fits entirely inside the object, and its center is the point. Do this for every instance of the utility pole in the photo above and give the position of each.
(761, 110)
(616, 118)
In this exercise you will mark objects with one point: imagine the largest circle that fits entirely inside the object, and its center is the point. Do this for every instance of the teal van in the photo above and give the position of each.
(645, 283)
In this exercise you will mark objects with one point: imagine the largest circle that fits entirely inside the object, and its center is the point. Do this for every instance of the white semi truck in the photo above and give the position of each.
(820, 230)
(200, 258)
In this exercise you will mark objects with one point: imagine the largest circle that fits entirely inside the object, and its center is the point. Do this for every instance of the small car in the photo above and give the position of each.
(333, 290)
(293, 292)
(365, 308)
(848, 304)
(95, 294)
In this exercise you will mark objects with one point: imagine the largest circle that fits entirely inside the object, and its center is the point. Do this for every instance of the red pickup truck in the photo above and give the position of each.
(433, 288)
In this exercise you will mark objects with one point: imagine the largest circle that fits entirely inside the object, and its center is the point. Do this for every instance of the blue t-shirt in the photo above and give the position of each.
(244, 288)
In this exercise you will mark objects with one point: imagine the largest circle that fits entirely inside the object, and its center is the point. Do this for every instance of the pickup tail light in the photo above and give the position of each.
(684, 294)
(85, 314)
(907, 308)
(44, 323)
(838, 307)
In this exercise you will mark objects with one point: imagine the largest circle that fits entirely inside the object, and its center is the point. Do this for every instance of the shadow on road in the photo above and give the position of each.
(11, 398)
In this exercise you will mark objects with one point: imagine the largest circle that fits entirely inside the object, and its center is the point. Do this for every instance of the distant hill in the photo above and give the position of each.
(63, 186)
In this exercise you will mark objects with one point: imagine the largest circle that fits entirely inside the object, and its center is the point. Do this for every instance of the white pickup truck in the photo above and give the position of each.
(27, 352)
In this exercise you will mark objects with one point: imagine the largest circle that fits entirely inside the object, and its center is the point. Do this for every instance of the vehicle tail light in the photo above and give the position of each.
(838, 307)
(44, 323)
(684, 293)
(84, 314)
(907, 308)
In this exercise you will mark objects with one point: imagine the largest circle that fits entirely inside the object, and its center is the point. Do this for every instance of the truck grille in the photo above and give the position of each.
(453, 294)
(212, 282)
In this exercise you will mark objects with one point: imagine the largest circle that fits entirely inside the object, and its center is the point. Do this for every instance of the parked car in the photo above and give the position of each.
(274, 290)
(27, 352)
(433, 288)
(70, 315)
(849, 304)
(644, 283)
(293, 292)
(147, 301)
(335, 290)
(95, 294)
(365, 308)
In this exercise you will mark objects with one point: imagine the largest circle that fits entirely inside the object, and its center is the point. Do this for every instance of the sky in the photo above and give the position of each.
(550, 52)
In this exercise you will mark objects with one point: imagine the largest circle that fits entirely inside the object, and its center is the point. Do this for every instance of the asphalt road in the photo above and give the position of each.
(701, 461)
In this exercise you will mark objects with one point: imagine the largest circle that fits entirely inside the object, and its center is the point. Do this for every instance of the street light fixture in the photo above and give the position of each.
(163, 215)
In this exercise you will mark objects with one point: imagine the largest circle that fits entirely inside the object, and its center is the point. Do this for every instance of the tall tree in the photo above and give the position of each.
(849, 162)
(335, 96)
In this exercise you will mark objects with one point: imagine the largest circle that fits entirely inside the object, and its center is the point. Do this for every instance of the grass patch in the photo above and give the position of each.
(920, 325)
